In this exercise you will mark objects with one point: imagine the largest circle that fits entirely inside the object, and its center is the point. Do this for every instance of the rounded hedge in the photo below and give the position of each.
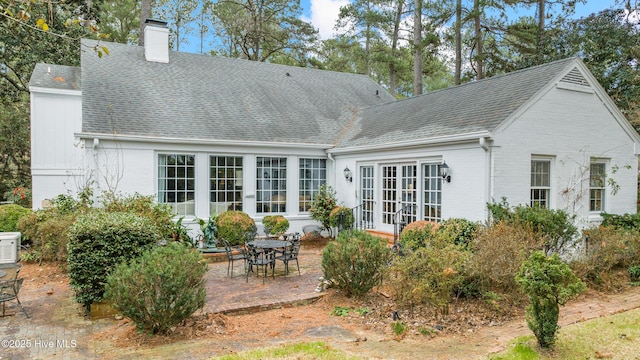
(275, 224)
(10, 215)
(98, 242)
(345, 212)
(236, 227)
(419, 234)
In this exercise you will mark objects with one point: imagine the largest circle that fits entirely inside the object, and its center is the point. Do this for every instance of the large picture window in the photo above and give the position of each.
(225, 183)
(313, 173)
(597, 173)
(540, 183)
(271, 185)
(176, 182)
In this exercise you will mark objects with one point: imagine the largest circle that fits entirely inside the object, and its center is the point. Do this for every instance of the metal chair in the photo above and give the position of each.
(291, 253)
(9, 290)
(234, 254)
(259, 258)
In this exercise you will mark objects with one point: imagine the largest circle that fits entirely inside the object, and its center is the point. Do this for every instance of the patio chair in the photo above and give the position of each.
(9, 290)
(234, 254)
(290, 254)
(258, 258)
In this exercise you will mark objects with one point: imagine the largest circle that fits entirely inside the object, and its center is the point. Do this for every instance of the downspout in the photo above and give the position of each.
(333, 161)
(483, 141)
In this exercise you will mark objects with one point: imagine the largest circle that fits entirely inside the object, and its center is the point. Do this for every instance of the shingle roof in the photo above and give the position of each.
(468, 108)
(216, 98)
(55, 77)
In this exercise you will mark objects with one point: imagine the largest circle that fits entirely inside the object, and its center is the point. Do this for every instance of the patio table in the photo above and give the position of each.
(269, 244)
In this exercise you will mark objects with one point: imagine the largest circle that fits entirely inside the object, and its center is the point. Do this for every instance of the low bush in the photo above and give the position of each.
(499, 251)
(98, 241)
(161, 215)
(236, 227)
(626, 221)
(418, 234)
(634, 273)
(460, 231)
(341, 217)
(10, 215)
(275, 224)
(608, 251)
(429, 275)
(160, 289)
(549, 283)
(554, 227)
(355, 262)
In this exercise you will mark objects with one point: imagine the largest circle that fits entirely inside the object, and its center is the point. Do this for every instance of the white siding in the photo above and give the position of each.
(570, 127)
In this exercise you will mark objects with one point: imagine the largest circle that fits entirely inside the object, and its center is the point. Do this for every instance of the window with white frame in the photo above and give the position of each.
(313, 173)
(271, 184)
(432, 193)
(225, 183)
(176, 182)
(367, 188)
(540, 182)
(597, 174)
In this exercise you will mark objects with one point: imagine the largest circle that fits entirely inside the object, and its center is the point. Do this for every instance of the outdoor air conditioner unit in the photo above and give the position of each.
(9, 246)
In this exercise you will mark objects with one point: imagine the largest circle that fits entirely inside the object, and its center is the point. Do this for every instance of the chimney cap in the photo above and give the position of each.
(155, 22)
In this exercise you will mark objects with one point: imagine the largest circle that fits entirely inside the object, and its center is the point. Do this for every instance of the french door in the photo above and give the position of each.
(398, 193)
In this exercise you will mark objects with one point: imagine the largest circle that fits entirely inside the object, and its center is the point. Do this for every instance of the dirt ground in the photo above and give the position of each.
(364, 327)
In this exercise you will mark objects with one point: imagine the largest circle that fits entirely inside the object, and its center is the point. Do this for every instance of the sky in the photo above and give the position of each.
(322, 14)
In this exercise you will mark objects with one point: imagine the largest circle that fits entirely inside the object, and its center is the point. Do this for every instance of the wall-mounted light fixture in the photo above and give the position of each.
(347, 174)
(445, 172)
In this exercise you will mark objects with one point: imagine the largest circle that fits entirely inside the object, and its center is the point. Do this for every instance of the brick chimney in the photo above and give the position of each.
(156, 41)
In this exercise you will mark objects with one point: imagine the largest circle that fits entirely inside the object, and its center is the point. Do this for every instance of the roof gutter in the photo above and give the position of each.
(164, 140)
(483, 136)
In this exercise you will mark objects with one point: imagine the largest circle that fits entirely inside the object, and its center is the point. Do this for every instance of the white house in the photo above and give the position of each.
(206, 134)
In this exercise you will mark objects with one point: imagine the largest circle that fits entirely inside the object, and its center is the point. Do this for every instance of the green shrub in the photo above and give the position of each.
(355, 262)
(345, 213)
(460, 231)
(499, 251)
(554, 227)
(626, 221)
(549, 283)
(46, 230)
(419, 234)
(10, 215)
(98, 241)
(608, 250)
(160, 289)
(429, 275)
(321, 205)
(634, 273)
(275, 224)
(161, 215)
(236, 227)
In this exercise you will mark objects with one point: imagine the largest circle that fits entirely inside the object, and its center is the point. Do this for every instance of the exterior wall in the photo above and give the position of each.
(57, 159)
(569, 127)
(128, 167)
(464, 197)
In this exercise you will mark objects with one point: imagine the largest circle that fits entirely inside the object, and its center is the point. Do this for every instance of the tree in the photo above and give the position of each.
(120, 20)
(145, 13)
(258, 29)
(14, 147)
(179, 14)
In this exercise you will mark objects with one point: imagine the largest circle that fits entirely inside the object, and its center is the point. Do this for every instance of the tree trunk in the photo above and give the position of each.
(417, 48)
(145, 13)
(458, 71)
(478, 33)
(540, 43)
(394, 47)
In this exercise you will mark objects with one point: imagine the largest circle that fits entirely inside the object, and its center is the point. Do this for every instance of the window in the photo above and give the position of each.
(176, 182)
(432, 193)
(597, 183)
(366, 195)
(271, 185)
(313, 173)
(540, 183)
(225, 183)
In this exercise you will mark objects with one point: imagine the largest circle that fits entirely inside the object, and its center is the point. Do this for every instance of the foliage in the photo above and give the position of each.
(554, 227)
(160, 289)
(460, 231)
(419, 234)
(399, 327)
(14, 150)
(498, 253)
(355, 262)
(236, 227)
(549, 283)
(10, 215)
(145, 205)
(429, 275)
(98, 241)
(634, 273)
(275, 224)
(607, 251)
(626, 221)
(321, 205)
(343, 212)
(340, 311)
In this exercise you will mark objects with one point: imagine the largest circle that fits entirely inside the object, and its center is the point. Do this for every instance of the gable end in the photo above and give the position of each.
(574, 80)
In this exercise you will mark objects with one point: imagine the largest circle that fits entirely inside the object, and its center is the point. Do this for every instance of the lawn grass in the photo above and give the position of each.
(301, 351)
(611, 337)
